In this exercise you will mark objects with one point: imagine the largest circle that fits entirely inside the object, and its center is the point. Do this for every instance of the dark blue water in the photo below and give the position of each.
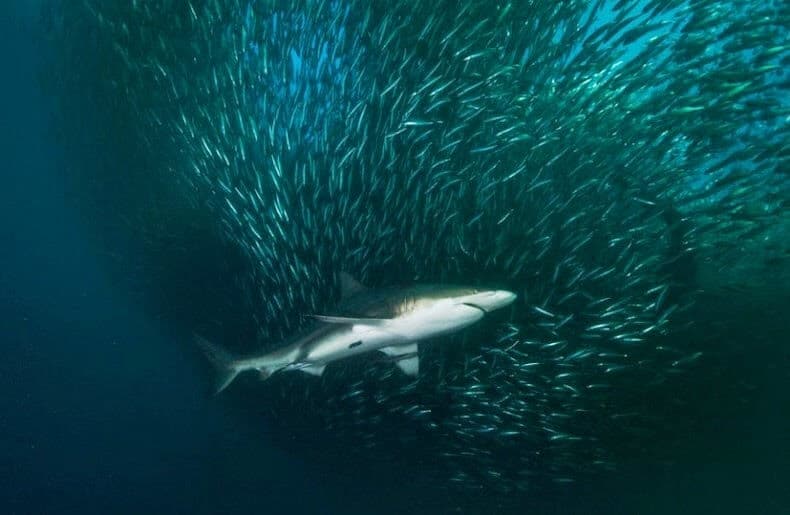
(101, 413)
(98, 413)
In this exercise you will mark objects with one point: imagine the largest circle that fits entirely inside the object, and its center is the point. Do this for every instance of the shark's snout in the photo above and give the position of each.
(490, 300)
(503, 298)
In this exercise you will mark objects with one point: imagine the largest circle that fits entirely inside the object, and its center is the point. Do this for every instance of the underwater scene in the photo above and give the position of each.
(396, 257)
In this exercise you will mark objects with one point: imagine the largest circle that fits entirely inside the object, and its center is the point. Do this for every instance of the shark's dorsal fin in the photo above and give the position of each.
(351, 320)
(349, 286)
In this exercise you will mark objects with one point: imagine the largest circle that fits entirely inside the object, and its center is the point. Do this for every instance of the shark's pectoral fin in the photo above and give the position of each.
(315, 370)
(377, 322)
(400, 350)
(409, 366)
(408, 359)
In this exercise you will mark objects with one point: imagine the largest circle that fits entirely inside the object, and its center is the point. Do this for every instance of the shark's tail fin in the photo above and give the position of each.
(228, 367)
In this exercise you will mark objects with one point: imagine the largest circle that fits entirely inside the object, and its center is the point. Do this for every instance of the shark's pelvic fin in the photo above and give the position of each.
(352, 320)
(349, 286)
(315, 370)
(409, 363)
(265, 372)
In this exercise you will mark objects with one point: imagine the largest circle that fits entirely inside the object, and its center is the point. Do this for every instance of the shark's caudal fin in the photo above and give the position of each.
(226, 364)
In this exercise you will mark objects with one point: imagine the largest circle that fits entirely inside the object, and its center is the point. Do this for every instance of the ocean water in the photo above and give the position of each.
(106, 407)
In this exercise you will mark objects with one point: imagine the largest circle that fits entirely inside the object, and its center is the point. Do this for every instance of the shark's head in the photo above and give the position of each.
(450, 308)
(432, 310)
(485, 300)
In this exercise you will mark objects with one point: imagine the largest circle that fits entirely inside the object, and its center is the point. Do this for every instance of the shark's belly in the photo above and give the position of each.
(350, 341)
(358, 338)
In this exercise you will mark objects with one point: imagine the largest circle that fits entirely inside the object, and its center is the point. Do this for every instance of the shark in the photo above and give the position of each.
(393, 321)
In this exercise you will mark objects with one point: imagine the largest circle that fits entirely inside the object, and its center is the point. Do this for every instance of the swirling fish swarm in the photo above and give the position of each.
(590, 156)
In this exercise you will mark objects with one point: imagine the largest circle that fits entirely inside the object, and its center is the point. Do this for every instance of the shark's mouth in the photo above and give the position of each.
(474, 306)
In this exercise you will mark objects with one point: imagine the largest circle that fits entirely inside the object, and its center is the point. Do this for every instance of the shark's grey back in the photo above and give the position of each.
(393, 301)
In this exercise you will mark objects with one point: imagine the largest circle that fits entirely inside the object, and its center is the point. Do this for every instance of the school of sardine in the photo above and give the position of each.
(591, 157)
